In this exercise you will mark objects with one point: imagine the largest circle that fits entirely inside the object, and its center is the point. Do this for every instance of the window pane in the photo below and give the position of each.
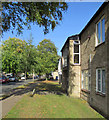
(89, 84)
(103, 29)
(82, 84)
(76, 58)
(86, 78)
(103, 81)
(65, 61)
(76, 42)
(98, 32)
(76, 48)
(86, 82)
(99, 80)
(89, 79)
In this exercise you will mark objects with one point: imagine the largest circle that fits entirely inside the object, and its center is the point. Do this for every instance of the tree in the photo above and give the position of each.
(18, 56)
(47, 57)
(16, 15)
(12, 50)
(29, 58)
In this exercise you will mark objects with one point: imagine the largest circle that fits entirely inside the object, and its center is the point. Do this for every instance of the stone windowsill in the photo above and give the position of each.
(72, 64)
(86, 91)
(99, 45)
(100, 93)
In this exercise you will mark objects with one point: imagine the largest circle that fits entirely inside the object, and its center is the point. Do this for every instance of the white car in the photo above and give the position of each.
(22, 78)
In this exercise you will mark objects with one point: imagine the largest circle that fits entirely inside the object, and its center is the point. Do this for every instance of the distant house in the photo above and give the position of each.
(55, 75)
(85, 61)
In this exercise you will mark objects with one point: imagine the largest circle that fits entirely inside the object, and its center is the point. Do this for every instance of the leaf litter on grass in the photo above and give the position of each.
(51, 105)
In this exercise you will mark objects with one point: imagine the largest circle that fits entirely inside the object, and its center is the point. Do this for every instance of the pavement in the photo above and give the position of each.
(7, 104)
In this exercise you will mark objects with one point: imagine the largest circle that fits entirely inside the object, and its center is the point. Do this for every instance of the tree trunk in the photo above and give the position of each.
(25, 75)
(47, 76)
(33, 74)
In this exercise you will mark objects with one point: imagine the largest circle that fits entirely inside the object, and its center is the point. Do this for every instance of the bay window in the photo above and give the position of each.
(76, 52)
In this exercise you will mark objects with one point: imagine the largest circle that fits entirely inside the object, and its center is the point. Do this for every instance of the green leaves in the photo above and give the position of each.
(12, 50)
(23, 57)
(16, 15)
(53, 25)
(47, 52)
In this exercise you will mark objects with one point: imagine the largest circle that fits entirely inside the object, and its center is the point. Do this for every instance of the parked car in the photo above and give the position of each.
(17, 79)
(23, 78)
(4, 79)
(13, 78)
(8, 76)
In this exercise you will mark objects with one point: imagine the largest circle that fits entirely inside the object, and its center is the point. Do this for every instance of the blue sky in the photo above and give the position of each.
(74, 20)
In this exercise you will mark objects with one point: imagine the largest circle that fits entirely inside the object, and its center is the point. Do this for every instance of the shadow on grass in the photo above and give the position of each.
(41, 80)
(48, 80)
(48, 88)
(25, 90)
(40, 87)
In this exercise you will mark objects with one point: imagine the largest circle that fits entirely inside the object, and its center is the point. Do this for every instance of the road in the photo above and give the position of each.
(6, 87)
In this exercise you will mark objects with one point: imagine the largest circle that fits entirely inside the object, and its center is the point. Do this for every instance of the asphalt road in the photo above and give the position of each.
(6, 87)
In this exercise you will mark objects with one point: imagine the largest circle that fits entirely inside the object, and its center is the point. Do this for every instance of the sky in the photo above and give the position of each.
(74, 20)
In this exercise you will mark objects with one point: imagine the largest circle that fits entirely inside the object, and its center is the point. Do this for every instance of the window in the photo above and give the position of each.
(86, 80)
(100, 31)
(65, 61)
(76, 53)
(100, 80)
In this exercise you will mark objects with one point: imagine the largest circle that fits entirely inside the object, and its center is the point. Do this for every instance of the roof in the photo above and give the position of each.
(94, 16)
(73, 37)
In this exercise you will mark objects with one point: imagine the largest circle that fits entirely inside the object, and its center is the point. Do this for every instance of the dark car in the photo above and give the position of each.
(12, 78)
(4, 79)
(8, 76)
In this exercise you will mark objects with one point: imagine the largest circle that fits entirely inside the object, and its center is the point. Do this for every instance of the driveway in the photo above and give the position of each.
(5, 88)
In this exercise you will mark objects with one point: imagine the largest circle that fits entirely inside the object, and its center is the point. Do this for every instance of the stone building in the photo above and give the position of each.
(85, 61)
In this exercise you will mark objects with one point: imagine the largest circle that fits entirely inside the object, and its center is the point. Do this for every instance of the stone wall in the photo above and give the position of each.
(65, 80)
(65, 52)
(98, 55)
(70, 73)
(92, 57)
(74, 81)
(107, 43)
(74, 74)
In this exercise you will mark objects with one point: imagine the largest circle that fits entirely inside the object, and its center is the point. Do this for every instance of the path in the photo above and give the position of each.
(7, 104)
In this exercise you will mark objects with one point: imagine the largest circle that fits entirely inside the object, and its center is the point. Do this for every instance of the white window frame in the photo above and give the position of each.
(100, 31)
(101, 69)
(82, 80)
(76, 53)
(64, 62)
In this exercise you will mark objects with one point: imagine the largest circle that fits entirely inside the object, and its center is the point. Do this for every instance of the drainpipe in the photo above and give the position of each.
(90, 60)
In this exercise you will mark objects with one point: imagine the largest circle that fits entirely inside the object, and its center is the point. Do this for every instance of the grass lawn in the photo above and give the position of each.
(51, 105)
